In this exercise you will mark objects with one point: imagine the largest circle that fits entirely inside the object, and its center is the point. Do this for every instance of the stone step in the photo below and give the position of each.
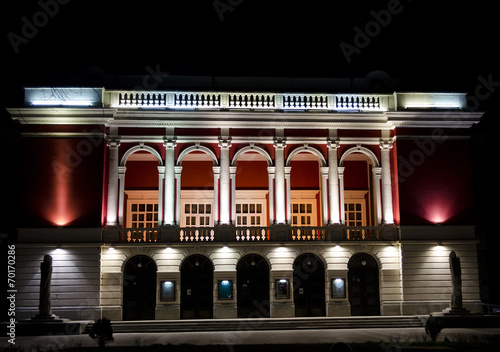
(264, 324)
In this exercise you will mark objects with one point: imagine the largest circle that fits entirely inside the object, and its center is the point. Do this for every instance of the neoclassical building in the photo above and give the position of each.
(227, 204)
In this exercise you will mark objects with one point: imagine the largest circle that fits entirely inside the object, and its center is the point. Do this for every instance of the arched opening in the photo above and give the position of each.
(140, 182)
(309, 286)
(197, 208)
(197, 288)
(251, 188)
(253, 287)
(307, 191)
(363, 285)
(360, 191)
(139, 288)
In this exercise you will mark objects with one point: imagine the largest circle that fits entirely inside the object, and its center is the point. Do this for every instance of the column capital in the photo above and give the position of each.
(280, 143)
(332, 144)
(113, 142)
(385, 144)
(225, 143)
(169, 142)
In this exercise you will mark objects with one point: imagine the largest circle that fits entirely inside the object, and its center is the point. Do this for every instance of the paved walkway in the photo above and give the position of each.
(231, 338)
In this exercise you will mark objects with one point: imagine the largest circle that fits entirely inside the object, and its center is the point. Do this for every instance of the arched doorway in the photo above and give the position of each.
(363, 285)
(139, 288)
(253, 287)
(197, 274)
(309, 286)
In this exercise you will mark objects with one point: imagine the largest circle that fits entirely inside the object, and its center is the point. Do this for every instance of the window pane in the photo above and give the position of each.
(149, 216)
(358, 207)
(252, 208)
(258, 220)
(252, 220)
(156, 216)
(245, 208)
(156, 207)
(208, 209)
(140, 224)
(188, 222)
(187, 208)
(194, 208)
(309, 208)
(134, 207)
(207, 220)
(302, 220)
(238, 220)
(202, 221)
(238, 208)
(294, 220)
(244, 218)
(259, 208)
(302, 208)
(141, 217)
(142, 207)
(351, 216)
(358, 216)
(351, 207)
(308, 218)
(134, 217)
(201, 209)
(150, 207)
(295, 208)
(193, 220)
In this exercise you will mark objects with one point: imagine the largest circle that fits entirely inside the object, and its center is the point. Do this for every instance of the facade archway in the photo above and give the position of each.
(363, 285)
(197, 275)
(139, 288)
(309, 286)
(253, 287)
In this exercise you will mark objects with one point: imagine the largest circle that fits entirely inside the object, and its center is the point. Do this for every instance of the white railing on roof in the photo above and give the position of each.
(249, 101)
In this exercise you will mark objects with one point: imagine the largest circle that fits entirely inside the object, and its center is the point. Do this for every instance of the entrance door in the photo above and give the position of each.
(253, 287)
(197, 276)
(363, 285)
(139, 288)
(309, 286)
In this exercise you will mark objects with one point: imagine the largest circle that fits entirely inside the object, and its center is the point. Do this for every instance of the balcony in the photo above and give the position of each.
(267, 234)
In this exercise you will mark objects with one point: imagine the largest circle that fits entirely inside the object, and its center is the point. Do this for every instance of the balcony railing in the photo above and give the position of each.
(279, 233)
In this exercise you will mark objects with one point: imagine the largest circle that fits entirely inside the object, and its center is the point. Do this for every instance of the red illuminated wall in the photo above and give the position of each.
(304, 175)
(251, 175)
(62, 182)
(141, 175)
(355, 175)
(434, 182)
(197, 175)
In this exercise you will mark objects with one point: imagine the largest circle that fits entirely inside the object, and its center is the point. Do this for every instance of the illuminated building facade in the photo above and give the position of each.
(211, 204)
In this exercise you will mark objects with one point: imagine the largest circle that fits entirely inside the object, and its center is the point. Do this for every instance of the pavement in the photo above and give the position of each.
(398, 337)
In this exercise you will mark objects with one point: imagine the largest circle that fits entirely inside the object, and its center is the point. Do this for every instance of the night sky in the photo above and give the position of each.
(421, 45)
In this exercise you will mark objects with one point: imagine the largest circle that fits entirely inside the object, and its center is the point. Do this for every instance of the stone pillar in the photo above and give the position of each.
(112, 204)
(216, 170)
(377, 174)
(169, 186)
(270, 173)
(161, 195)
(121, 194)
(279, 180)
(341, 194)
(225, 182)
(288, 200)
(333, 183)
(178, 170)
(388, 216)
(324, 194)
(232, 172)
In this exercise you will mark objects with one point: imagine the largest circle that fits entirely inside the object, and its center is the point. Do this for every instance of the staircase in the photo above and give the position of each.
(153, 326)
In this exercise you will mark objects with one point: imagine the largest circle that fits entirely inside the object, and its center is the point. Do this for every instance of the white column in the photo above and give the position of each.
(341, 196)
(215, 210)
(279, 180)
(225, 182)
(324, 196)
(112, 206)
(288, 203)
(385, 147)
(178, 170)
(270, 173)
(169, 188)
(161, 195)
(121, 194)
(333, 183)
(232, 171)
(377, 172)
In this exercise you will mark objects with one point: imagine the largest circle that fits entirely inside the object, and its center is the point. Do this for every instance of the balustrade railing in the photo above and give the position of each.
(235, 100)
(251, 234)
